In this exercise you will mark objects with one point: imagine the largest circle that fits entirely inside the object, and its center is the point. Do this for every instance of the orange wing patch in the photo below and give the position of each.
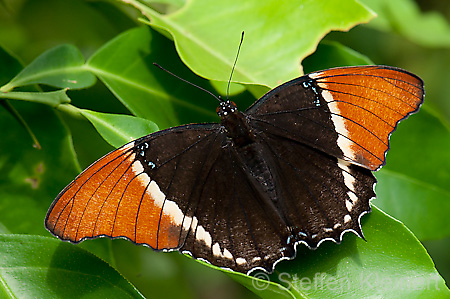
(114, 197)
(366, 104)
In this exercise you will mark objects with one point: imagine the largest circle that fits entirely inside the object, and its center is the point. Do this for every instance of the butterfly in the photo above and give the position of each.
(296, 167)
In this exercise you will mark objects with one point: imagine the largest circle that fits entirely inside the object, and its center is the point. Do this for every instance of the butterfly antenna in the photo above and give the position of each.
(184, 80)
(234, 65)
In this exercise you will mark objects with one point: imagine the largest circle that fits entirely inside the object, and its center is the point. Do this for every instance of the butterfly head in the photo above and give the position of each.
(226, 108)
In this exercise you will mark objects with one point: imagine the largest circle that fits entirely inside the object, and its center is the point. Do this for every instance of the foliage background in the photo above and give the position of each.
(407, 34)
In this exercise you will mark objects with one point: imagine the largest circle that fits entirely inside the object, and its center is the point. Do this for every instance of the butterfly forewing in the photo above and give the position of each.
(346, 112)
(140, 191)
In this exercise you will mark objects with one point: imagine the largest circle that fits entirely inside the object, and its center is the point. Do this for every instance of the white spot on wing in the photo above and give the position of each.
(127, 146)
(348, 205)
(256, 259)
(187, 222)
(352, 197)
(349, 180)
(343, 141)
(156, 194)
(194, 223)
(142, 177)
(136, 167)
(315, 75)
(347, 218)
(227, 254)
(172, 209)
(218, 252)
(241, 261)
(202, 235)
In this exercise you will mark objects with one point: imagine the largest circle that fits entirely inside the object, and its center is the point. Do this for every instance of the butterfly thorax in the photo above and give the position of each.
(235, 124)
(251, 154)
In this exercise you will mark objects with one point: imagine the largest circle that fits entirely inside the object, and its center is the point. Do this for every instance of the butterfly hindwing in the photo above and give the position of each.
(322, 196)
(234, 227)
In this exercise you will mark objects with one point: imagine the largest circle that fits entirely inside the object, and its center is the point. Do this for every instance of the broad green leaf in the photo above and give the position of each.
(61, 67)
(260, 284)
(278, 35)
(222, 87)
(51, 98)
(125, 65)
(414, 184)
(11, 65)
(155, 274)
(404, 17)
(333, 54)
(119, 129)
(30, 178)
(40, 267)
(10, 108)
(170, 5)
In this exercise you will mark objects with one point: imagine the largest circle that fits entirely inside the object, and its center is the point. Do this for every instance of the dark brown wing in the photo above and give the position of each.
(321, 196)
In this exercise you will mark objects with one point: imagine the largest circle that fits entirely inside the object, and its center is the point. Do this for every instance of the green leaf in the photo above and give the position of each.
(119, 129)
(404, 17)
(31, 178)
(126, 67)
(51, 98)
(390, 264)
(414, 185)
(39, 267)
(61, 67)
(11, 65)
(278, 35)
(261, 285)
(28, 175)
(333, 54)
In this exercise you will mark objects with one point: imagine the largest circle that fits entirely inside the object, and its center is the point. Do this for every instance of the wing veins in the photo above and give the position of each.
(107, 197)
(96, 189)
(249, 226)
(286, 111)
(301, 179)
(371, 75)
(371, 100)
(120, 200)
(185, 150)
(138, 211)
(278, 127)
(362, 128)
(192, 190)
